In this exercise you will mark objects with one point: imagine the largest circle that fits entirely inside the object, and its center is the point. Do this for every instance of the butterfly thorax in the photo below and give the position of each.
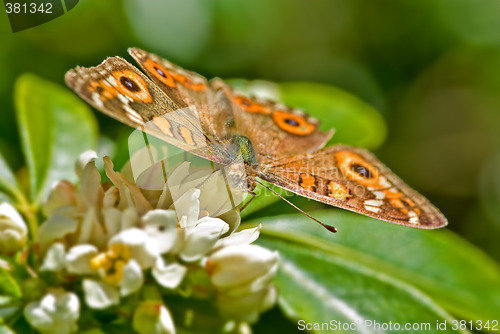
(244, 166)
(243, 146)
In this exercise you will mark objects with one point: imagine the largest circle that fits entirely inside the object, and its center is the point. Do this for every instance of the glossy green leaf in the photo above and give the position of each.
(457, 275)
(55, 126)
(355, 122)
(320, 287)
(8, 285)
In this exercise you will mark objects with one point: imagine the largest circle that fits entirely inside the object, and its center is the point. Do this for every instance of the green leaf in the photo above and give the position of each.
(264, 198)
(4, 329)
(453, 272)
(8, 285)
(319, 287)
(55, 126)
(6, 198)
(355, 122)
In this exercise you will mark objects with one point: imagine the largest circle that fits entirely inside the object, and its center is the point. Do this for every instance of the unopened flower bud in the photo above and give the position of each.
(13, 230)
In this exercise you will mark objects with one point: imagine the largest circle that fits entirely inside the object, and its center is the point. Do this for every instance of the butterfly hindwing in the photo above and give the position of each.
(274, 129)
(353, 179)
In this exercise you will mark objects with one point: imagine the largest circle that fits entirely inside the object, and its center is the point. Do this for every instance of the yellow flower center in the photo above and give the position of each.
(112, 262)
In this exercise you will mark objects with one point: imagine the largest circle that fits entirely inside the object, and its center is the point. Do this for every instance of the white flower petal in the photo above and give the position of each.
(161, 225)
(232, 218)
(243, 237)
(55, 228)
(62, 194)
(84, 159)
(247, 307)
(37, 317)
(111, 197)
(91, 230)
(78, 259)
(130, 218)
(175, 178)
(165, 199)
(242, 267)
(130, 194)
(90, 191)
(54, 258)
(142, 248)
(112, 219)
(56, 313)
(188, 205)
(200, 239)
(100, 295)
(218, 196)
(168, 275)
(132, 278)
(195, 179)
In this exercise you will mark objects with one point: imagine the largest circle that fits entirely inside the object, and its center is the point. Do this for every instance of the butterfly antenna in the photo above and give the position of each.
(328, 227)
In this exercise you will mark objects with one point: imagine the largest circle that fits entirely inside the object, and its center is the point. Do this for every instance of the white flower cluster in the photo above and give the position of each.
(111, 235)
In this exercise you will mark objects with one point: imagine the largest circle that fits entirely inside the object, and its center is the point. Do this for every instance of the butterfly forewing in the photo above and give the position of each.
(353, 179)
(188, 90)
(121, 91)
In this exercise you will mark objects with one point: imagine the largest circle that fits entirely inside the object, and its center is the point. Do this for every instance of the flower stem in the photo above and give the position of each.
(29, 211)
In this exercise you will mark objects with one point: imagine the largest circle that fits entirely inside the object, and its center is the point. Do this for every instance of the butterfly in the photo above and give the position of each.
(278, 144)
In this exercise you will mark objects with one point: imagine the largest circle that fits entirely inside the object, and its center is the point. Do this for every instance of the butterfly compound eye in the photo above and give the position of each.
(291, 123)
(132, 85)
(160, 72)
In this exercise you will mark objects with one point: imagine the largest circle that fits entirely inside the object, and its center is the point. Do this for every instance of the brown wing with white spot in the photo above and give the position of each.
(121, 91)
(275, 130)
(355, 180)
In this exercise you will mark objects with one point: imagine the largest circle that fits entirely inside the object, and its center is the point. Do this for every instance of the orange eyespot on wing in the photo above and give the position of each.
(132, 85)
(104, 89)
(293, 124)
(188, 83)
(357, 169)
(251, 106)
(160, 72)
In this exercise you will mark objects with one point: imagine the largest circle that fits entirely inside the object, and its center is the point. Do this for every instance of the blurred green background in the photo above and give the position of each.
(430, 67)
